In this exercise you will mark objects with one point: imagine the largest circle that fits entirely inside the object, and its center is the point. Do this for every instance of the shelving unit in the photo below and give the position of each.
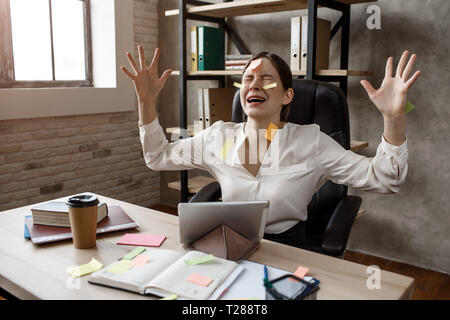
(218, 12)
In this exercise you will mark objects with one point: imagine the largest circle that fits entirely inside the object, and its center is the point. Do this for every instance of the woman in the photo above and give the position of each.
(285, 166)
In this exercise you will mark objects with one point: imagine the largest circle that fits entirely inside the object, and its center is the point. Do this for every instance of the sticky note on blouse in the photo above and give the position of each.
(227, 146)
(137, 239)
(84, 269)
(271, 130)
(199, 280)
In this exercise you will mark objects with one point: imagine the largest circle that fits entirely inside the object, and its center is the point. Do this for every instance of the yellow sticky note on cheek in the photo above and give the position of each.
(270, 86)
(238, 85)
(271, 131)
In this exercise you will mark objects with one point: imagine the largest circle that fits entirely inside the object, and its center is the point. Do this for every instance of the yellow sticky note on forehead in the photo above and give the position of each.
(254, 64)
(272, 127)
(270, 86)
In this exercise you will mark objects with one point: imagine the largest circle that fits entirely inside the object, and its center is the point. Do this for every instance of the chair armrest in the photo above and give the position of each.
(210, 192)
(338, 229)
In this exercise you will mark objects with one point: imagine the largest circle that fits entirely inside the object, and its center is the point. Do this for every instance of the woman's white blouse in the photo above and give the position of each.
(299, 160)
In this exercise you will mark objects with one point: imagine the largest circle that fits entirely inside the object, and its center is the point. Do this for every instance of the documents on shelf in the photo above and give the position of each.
(299, 43)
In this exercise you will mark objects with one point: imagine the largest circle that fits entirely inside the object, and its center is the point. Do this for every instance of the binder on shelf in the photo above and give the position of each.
(295, 42)
(201, 110)
(322, 43)
(218, 104)
(194, 57)
(211, 48)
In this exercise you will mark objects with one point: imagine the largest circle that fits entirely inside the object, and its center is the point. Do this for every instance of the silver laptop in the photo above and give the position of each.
(247, 218)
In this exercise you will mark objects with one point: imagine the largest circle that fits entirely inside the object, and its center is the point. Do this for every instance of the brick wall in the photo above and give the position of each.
(46, 158)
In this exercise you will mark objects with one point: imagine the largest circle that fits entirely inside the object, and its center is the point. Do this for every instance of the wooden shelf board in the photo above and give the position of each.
(249, 7)
(356, 73)
(356, 145)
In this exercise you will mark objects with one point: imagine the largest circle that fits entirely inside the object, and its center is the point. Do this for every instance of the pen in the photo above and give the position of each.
(266, 273)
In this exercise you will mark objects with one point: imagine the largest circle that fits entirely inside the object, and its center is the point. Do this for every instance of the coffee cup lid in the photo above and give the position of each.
(83, 200)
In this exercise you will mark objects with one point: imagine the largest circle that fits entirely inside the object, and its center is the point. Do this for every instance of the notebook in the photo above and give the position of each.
(166, 273)
(116, 220)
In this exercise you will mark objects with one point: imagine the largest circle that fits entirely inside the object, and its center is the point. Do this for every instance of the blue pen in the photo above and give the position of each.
(266, 273)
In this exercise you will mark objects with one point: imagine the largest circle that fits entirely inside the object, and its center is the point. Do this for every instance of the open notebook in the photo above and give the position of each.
(166, 273)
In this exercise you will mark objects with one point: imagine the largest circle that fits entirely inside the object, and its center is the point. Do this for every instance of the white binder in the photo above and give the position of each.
(295, 42)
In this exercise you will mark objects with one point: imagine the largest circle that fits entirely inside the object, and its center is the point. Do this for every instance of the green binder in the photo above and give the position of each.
(211, 48)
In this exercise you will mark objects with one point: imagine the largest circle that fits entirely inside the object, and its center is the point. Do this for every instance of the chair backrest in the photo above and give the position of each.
(324, 104)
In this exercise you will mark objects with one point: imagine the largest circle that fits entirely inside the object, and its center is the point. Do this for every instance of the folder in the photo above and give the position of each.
(194, 61)
(322, 43)
(295, 43)
(218, 104)
(201, 110)
(211, 48)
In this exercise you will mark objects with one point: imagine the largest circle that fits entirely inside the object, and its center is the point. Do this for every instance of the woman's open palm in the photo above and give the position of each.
(390, 98)
(146, 81)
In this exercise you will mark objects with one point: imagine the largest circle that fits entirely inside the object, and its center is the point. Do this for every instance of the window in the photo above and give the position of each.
(45, 43)
(111, 24)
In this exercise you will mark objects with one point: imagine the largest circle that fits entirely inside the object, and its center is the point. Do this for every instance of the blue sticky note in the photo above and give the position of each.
(26, 233)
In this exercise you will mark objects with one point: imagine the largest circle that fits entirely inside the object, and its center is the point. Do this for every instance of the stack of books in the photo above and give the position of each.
(50, 221)
(55, 213)
(236, 61)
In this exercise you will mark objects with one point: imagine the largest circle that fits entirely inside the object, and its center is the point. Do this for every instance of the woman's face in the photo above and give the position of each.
(272, 100)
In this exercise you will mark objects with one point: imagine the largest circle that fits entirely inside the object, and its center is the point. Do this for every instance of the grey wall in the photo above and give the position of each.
(412, 226)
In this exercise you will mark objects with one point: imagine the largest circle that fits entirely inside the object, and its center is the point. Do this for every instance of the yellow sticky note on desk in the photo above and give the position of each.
(120, 267)
(171, 297)
(84, 269)
(271, 131)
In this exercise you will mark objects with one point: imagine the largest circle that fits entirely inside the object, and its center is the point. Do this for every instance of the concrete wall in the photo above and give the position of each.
(412, 226)
(46, 158)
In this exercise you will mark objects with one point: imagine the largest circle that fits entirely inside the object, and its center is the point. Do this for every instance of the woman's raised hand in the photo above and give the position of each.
(146, 81)
(390, 98)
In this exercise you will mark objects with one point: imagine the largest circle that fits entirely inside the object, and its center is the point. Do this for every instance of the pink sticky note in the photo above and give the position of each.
(137, 239)
(254, 64)
(200, 280)
(301, 272)
(139, 260)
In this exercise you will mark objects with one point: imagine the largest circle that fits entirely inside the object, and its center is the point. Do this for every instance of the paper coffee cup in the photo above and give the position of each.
(83, 210)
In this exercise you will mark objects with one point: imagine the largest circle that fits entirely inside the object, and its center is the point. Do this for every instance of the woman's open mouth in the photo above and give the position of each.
(255, 100)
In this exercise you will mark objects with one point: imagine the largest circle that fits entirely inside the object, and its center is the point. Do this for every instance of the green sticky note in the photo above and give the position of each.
(200, 260)
(84, 269)
(131, 255)
(409, 106)
(120, 267)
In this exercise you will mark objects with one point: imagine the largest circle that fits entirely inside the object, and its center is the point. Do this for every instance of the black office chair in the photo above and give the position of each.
(331, 212)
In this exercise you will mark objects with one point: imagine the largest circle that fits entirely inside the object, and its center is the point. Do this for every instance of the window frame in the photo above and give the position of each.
(7, 77)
